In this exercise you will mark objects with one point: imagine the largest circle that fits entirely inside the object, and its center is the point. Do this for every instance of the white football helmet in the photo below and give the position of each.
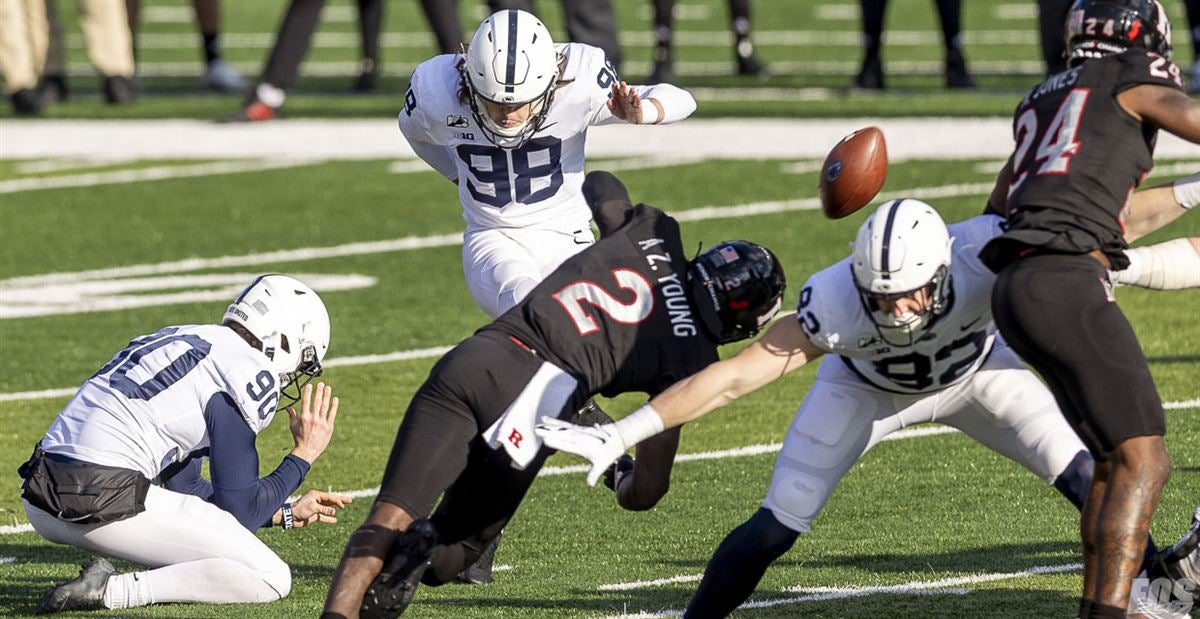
(290, 322)
(511, 62)
(902, 248)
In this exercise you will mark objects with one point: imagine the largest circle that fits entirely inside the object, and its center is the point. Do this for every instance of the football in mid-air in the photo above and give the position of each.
(853, 172)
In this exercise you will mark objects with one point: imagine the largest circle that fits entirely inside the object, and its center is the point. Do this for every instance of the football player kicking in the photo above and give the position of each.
(118, 472)
(908, 317)
(506, 121)
(628, 314)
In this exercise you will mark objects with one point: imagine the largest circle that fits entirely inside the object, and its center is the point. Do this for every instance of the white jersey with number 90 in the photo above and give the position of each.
(144, 410)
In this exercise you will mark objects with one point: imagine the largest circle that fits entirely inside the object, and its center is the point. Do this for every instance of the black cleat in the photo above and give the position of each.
(480, 572)
(870, 76)
(590, 415)
(1182, 561)
(749, 65)
(54, 89)
(119, 90)
(957, 75)
(86, 592)
(26, 102)
(392, 591)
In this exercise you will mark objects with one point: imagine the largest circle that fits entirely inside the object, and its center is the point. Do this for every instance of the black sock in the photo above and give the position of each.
(738, 564)
(212, 48)
(739, 13)
(1085, 607)
(872, 25)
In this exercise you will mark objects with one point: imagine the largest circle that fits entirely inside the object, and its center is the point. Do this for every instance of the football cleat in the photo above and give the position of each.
(119, 90)
(480, 572)
(392, 591)
(870, 76)
(255, 111)
(590, 414)
(957, 75)
(222, 77)
(750, 65)
(85, 592)
(1182, 561)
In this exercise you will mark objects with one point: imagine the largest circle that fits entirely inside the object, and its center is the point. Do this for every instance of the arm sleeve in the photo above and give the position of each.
(234, 467)
(677, 103)
(437, 156)
(185, 477)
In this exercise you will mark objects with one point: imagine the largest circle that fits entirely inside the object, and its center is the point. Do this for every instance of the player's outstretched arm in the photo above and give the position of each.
(1173, 265)
(650, 479)
(650, 105)
(998, 201)
(784, 348)
(1151, 209)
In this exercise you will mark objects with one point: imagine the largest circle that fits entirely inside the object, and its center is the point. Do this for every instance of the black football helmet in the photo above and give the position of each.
(744, 282)
(1098, 28)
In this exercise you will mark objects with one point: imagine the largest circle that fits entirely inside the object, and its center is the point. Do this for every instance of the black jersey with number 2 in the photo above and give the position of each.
(1079, 157)
(617, 315)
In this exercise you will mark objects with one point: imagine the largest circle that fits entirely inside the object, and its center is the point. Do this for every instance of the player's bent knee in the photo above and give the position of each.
(279, 578)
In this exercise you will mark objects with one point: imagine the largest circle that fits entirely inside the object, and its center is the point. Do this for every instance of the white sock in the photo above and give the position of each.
(127, 591)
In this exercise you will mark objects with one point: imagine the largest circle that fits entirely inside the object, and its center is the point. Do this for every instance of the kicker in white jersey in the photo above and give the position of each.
(144, 410)
(538, 184)
(951, 347)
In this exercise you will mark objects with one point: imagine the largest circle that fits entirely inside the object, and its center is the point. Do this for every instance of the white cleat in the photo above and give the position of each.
(221, 76)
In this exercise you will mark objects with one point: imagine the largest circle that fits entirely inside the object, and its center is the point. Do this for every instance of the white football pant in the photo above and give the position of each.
(503, 264)
(1002, 406)
(197, 551)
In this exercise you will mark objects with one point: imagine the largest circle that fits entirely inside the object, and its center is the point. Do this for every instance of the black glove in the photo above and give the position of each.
(622, 467)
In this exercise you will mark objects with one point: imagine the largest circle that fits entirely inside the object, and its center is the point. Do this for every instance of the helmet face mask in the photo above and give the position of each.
(291, 324)
(744, 282)
(903, 252)
(1098, 28)
(511, 63)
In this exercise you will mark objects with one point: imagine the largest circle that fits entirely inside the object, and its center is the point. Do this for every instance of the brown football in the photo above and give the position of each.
(853, 172)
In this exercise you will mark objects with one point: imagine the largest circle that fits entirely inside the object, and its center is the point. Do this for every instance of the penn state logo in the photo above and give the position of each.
(458, 121)
(834, 171)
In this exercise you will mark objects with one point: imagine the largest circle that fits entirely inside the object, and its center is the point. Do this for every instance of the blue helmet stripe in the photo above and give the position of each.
(887, 239)
(510, 73)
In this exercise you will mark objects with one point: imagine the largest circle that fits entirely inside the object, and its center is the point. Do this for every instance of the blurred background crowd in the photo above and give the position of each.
(33, 48)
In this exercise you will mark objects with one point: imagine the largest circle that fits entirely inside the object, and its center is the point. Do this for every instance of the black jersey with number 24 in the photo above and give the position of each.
(617, 315)
(1079, 157)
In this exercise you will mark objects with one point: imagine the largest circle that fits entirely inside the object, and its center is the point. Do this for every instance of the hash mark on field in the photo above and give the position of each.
(945, 586)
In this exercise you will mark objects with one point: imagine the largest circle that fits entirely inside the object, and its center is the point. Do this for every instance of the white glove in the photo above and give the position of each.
(600, 445)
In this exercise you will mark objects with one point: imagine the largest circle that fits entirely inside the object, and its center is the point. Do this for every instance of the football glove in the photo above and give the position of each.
(600, 445)
(615, 473)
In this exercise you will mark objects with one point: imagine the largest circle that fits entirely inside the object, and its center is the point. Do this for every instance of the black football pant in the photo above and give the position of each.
(1057, 312)
(439, 449)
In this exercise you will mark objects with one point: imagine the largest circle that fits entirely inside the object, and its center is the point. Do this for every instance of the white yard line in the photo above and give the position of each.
(554, 471)
(425, 242)
(155, 173)
(945, 586)
(736, 138)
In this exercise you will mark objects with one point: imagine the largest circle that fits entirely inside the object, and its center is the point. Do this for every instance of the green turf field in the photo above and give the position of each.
(811, 46)
(927, 525)
(925, 509)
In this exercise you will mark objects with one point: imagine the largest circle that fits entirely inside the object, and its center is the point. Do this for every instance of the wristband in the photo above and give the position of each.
(1187, 191)
(288, 521)
(638, 426)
